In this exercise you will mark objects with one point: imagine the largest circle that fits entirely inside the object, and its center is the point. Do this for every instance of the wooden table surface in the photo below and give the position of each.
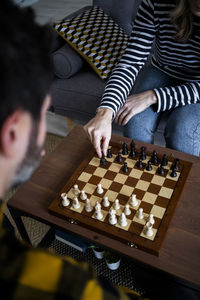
(180, 253)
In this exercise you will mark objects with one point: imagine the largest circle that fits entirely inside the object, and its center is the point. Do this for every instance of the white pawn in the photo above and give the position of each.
(88, 206)
(140, 213)
(133, 201)
(99, 189)
(76, 190)
(83, 195)
(98, 212)
(106, 202)
(97, 206)
(112, 217)
(151, 219)
(127, 210)
(122, 220)
(65, 201)
(75, 203)
(148, 229)
(116, 204)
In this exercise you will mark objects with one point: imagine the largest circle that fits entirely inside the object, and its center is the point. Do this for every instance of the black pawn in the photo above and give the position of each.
(175, 165)
(125, 168)
(132, 149)
(173, 173)
(140, 164)
(154, 158)
(164, 161)
(125, 149)
(149, 167)
(109, 154)
(143, 153)
(119, 157)
(161, 170)
(103, 161)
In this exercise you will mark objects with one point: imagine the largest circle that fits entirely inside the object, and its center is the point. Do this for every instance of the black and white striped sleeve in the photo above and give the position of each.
(138, 49)
(171, 97)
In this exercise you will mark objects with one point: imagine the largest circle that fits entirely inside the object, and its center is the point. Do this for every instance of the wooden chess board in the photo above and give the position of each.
(156, 194)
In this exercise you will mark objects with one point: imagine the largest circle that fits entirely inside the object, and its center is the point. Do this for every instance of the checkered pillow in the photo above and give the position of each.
(96, 37)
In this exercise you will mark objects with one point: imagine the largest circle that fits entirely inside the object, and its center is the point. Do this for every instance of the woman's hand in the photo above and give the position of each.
(135, 104)
(99, 130)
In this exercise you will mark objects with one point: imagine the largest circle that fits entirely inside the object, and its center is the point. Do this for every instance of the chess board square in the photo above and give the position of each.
(146, 176)
(140, 221)
(80, 184)
(110, 175)
(106, 183)
(123, 199)
(120, 178)
(80, 209)
(115, 167)
(161, 201)
(94, 199)
(173, 178)
(136, 173)
(89, 188)
(169, 183)
(149, 237)
(153, 171)
(90, 169)
(158, 211)
(95, 161)
(165, 192)
(142, 185)
(130, 162)
(136, 227)
(104, 216)
(100, 172)
(146, 207)
(115, 186)
(159, 180)
(94, 179)
(124, 227)
(111, 195)
(154, 189)
(139, 193)
(131, 181)
(85, 177)
(149, 197)
(126, 190)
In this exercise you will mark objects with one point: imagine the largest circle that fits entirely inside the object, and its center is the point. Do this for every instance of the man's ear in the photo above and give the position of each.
(15, 133)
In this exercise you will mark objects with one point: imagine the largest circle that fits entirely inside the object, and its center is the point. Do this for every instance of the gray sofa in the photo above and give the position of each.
(78, 96)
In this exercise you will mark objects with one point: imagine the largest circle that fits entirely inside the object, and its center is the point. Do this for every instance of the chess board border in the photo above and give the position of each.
(133, 240)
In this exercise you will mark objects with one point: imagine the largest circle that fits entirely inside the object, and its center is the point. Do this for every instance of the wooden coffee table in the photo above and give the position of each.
(180, 252)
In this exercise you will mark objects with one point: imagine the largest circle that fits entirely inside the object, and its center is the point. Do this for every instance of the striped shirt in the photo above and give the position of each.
(29, 273)
(177, 59)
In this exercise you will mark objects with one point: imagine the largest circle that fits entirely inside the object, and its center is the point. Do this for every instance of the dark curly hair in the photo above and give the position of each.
(25, 61)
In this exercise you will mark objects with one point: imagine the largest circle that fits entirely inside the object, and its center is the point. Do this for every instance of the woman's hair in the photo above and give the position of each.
(181, 17)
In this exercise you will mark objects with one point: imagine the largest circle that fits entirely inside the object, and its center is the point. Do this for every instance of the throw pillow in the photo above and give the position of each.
(96, 37)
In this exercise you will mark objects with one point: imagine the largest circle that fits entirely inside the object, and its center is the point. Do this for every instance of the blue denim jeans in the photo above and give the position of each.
(182, 131)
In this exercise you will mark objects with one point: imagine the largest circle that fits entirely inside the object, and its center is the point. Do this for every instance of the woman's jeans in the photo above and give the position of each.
(182, 131)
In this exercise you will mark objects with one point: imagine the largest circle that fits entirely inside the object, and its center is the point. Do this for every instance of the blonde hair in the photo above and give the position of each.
(181, 17)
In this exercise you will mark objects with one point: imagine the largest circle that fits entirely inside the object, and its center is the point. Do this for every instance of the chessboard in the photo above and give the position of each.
(130, 195)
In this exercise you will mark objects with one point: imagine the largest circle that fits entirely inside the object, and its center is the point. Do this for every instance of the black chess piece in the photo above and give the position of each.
(139, 164)
(173, 173)
(154, 158)
(164, 161)
(125, 168)
(149, 167)
(119, 157)
(125, 149)
(175, 165)
(103, 161)
(109, 153)
(143, 153)
(132, 149)
(161, 170)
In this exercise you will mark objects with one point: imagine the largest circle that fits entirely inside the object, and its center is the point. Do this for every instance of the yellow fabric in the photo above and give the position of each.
(92, 291)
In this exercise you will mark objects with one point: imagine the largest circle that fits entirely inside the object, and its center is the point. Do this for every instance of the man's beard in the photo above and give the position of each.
(31, 160)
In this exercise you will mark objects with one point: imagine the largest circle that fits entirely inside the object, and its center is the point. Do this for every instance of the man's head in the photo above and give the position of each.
(25, 77)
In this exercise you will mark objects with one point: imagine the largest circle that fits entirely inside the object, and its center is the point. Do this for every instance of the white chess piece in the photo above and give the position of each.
(98, 212)
(122, 220)
(75, 203)
(151, 219)
(112, 217)
(106, 202)
(83, 195)
(76, 190)
(140, 214)
(133, 201)
(65, 202)
(127, 210)
(116, 204)
(88, 206)
(99, 189)
(148, 229)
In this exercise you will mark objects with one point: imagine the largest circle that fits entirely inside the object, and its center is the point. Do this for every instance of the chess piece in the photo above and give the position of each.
(76, 190)
(116, 204)
(175, 165)
(112, 217)
(132, 149)
(75, 203)
(65, 202)
(109, 154)
(154, 158)
(98, 212)
(119, 157)
(83, 195)
(106, 202)
(122, 220)
(151, 219)
(133, 201)
(140, 214)
(125, 168)
(148, 229)
(143, 153)
(164, 161)
(139, 164)
(103, 161)
(88, 206)
(149, 167)
(173, 173)
(99, 189)
(127, 210)
(124, 149)
(161, 170)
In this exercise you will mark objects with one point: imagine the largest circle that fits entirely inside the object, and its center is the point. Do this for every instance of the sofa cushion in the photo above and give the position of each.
(96, 37)
(66, 62)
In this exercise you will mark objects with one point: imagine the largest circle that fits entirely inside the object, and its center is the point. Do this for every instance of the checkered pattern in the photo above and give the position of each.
(153, 191)
(96, 37)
